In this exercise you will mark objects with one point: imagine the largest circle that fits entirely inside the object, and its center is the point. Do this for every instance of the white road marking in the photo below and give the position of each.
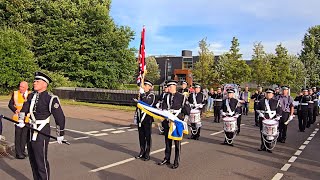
(285, 167)
(85, 137)
(302, 147)
(117, 132)
(133, 129)
(128, 160)
(53, 142)
(278, 176)
(311, 135)
(317, 129)
(306, 142)
(106, 130)
(298, 152)
(314, 132)
(213, 134)
(91, 132)
(309, 138)
(292, 159)
(71, 130)
(123, 128)
(101, 134)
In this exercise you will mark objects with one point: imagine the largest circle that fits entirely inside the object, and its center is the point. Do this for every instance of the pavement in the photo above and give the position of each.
(103, 146)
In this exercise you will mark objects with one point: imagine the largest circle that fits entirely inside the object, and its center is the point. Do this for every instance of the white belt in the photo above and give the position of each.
(42, 124)
(303, 104)
(175, 111)
(316, 100)
(217, 99)
(265, 112)
(256, 101)
(311, 102)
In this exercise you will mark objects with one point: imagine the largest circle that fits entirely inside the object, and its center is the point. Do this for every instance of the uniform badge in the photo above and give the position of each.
(56, 105)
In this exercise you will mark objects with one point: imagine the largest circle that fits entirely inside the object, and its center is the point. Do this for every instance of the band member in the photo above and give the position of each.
(184, 90)
(310, 108)
(176, 103)
(159, 105)
(287, 107)
(303, 109)
(41, 105)
(298, 99)
(197, 102)
(230, 108)
(145, 122)
(315, 98)
(217, 101)
(259, 95)
(15, 105)
(268, 108)
(277, 93)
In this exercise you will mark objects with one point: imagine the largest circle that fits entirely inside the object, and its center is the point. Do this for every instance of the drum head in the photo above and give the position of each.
(270, 122)
(194, 111)
(229, 119)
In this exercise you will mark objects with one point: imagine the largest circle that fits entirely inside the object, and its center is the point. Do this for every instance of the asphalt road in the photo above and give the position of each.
(105, 151)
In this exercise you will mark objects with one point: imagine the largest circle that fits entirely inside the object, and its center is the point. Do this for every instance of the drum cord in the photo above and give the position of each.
(272, 141)
(231, 139)
(161, 129)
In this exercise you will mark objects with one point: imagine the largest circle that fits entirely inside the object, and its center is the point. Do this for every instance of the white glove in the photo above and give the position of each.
(141, 91)
(236, 116)
(186, 118)
(158, 105)
(21, 124)
(200, 105)
(2, 138)
(223, 114)
(60, 139)
(290, 118)
(277, 118)
(261, 115)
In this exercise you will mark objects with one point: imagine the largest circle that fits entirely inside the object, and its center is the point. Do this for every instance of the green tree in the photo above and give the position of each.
(203, 69)
(298, 72)
(234, 69)
(17, 61)
(280, 67)
(310, 55)
(81, 40)
(261, 67)
(153, 72)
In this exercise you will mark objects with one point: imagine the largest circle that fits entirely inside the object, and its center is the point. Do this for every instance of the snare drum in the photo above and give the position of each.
(270, 127)
(229, 124)
(194, 116)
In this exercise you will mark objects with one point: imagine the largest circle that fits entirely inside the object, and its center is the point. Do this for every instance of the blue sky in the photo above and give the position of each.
(173, 25)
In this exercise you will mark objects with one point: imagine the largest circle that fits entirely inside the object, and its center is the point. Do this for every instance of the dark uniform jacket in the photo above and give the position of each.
(200, 99)
(257, 97)
(274, 106)
(218, 99)
(233, 105)
(175, 102)
(41, 111)
(148, 98)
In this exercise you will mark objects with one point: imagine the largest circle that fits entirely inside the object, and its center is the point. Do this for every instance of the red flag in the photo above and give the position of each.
(141, 58)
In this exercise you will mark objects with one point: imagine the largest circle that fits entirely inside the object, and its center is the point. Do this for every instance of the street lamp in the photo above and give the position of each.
(165, 69)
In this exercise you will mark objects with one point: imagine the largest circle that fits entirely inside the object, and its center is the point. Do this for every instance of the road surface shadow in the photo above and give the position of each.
(11, 171)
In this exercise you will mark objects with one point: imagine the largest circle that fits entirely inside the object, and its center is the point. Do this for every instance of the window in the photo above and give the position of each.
(187, 63)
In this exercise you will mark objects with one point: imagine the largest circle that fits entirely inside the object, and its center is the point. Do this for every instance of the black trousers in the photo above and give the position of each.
(303, 118)
(168, 143)
(194, 128)
(239, 123)
(20, 140)
(38, 157)
(310, 117)
(256, 114)
(145, 139)
(315, 113)
(282, 126)
(217, 115)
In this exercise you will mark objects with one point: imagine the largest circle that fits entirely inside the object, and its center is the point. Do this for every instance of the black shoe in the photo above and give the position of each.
(197, 138)
(231, 145)
(261, 149)
(175, 166)
(147, 158)
(283, 141)
(20, 156)
(269, 151)
(164, 162)
(224, 143)
(25, 154)
(138, 157)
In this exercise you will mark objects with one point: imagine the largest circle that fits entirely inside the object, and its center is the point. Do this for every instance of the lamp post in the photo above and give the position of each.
(166, 67)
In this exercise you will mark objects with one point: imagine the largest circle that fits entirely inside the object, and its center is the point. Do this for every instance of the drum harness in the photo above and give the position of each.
(271, 114)
(230, 113)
